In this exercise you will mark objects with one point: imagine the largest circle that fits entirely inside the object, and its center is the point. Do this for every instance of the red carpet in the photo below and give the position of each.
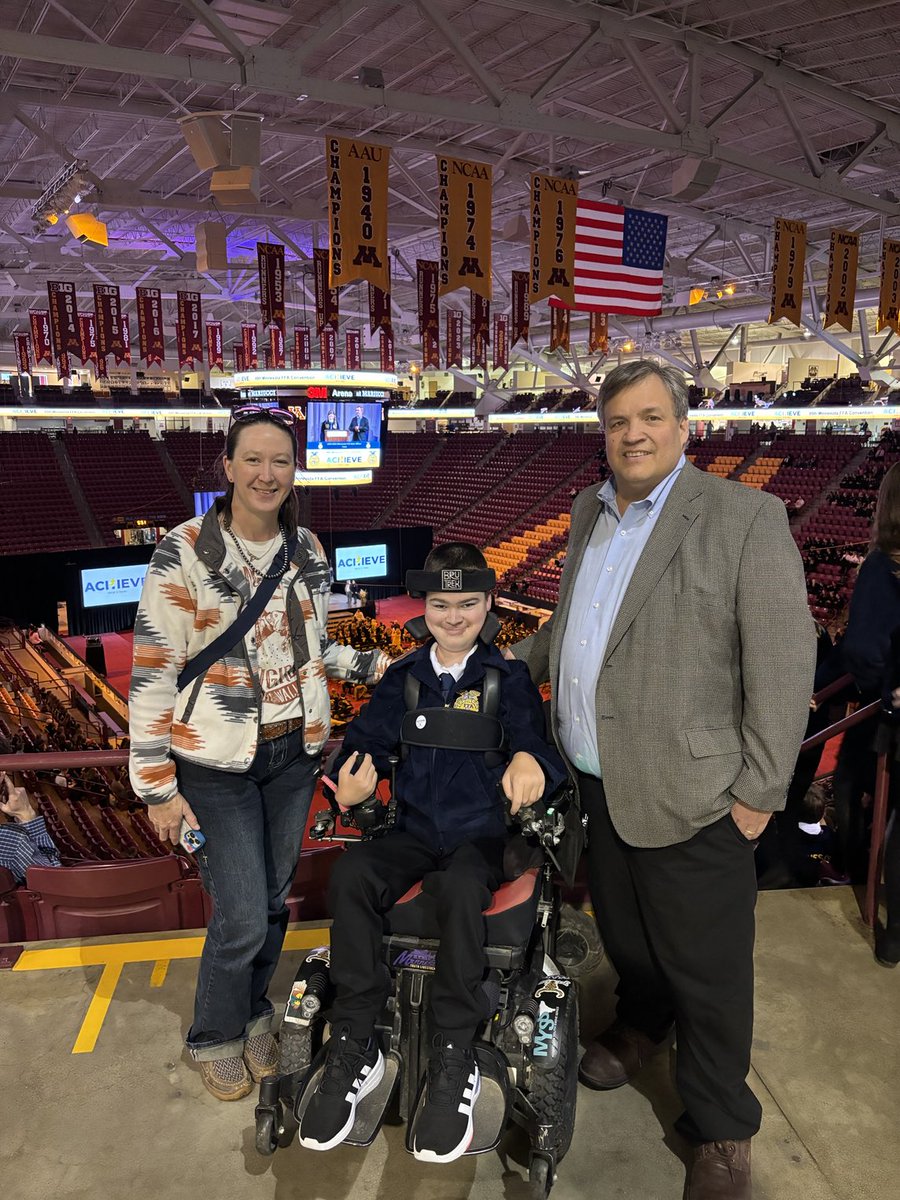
(117, 647)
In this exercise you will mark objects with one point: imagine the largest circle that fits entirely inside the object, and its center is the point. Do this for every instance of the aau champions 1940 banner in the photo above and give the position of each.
(357, 212)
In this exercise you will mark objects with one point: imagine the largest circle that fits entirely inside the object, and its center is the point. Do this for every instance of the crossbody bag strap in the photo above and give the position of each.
(246, 619)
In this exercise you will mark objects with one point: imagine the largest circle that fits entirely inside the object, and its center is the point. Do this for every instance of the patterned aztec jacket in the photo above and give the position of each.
(191, 595)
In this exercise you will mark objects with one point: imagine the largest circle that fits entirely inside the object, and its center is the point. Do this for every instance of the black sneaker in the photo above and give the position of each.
(352, 1070)
(445, 1125)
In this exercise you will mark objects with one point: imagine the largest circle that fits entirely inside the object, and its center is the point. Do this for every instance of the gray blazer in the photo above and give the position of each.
(704, 694)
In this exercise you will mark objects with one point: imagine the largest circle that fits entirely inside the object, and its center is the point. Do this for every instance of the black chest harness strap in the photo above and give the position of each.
(456, 728)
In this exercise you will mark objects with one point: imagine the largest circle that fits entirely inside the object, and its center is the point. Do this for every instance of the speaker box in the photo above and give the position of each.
(211, 246)
(246, 135)
(693, 177)
(207, 139)
(94, 654)
(235, 185)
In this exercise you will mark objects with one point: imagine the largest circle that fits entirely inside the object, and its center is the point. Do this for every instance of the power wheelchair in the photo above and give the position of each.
(528, 1049)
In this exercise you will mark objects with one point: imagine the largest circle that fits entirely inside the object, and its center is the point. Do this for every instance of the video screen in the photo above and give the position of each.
(112, 585)
(341, 434)
(360, 562)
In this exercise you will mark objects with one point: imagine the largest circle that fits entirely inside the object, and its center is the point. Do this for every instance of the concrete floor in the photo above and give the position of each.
(132, 1119)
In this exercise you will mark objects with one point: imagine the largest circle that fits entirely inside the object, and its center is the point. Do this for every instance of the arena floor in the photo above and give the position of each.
(100, 1100)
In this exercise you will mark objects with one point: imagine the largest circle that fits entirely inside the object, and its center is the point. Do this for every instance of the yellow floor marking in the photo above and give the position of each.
(97, 1009)
(112, 956)
(158, 975)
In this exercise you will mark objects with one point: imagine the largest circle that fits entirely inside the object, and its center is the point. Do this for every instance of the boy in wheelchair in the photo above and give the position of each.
(450, 832)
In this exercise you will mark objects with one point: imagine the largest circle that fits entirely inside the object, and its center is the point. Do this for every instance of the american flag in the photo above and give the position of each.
(619, 257)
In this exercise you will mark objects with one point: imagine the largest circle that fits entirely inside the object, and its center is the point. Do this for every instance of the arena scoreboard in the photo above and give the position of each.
(342, 410)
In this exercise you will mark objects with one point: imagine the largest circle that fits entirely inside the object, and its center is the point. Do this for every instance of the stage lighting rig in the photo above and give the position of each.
(66, 190)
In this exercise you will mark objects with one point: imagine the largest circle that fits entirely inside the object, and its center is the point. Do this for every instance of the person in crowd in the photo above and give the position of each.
(451, 830)
(359, 425)
(24, 840)
(235, 751)
(810, 842)
(865, 652)
(681, 659)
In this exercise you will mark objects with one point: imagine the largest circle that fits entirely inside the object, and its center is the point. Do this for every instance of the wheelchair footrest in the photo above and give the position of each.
(491, 1107)
(370, 1110)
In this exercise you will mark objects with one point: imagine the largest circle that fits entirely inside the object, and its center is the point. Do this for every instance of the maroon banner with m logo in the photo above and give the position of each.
(521, 307)
(327, 306)
(270, 258)
(190, 346)
(40, 335)
(353, 344)
(150, 326)
(501, 341)
(23, 357)
(64, 319)
(302, 348)
(215, 353)
(328, 349)
(454, 337)
(251, 349)
(108, 317)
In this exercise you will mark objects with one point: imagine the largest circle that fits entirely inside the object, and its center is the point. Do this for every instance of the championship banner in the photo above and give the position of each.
(100, 368)
(598, 342)
(889, 296)
(479, 329)
(108, 316)
(276, 347)
(87, 331)
(357, 212)
(190, 347)
(150, 326)
(431, 350)
(843, 259)
(427, 292)
(183, 360)
(454, 337)
(328, 349)
(23, 357)
(464, 204)
(215, 353)
(353, 350)
(302, 348)
(501, 342)
(560, 325)
(554, 208)
(326, 297)
(250, 346)
(270, 260)
(64, 318)
(64, 367)
(788, 263)
(40, 335)
(237, 356)
(380, 307)
(126, 339)
(386, 350)
(521, 307)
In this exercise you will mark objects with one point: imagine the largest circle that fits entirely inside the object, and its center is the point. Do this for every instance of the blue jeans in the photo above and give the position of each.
(253, 823)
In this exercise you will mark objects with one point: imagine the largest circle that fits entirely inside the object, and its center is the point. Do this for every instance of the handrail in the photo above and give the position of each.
(51, 759)
(857, 718)
(830, 689)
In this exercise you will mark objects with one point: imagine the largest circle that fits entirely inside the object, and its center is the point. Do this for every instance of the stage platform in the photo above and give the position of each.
(99, 1098)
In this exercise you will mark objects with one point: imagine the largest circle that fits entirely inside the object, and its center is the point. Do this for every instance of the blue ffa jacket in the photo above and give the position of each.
(448, 797)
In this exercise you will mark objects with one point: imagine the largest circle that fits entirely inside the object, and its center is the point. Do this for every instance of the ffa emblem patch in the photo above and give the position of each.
(451, 581)
(468, 701)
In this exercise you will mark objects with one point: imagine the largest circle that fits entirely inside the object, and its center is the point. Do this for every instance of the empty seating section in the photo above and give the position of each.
(37, 511)
(757, 474)
(513, 553)
(195, 456)
(403, 456)
(122, 474)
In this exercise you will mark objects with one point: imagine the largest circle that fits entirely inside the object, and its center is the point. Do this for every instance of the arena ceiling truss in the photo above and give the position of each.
(790, 109)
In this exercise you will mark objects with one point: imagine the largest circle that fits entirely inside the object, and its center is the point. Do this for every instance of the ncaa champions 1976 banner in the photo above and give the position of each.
(357, 212)
(554, 205)
(464, 209)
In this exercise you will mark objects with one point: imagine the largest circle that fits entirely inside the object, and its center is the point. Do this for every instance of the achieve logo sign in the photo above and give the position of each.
(112, 585)
(361, 562)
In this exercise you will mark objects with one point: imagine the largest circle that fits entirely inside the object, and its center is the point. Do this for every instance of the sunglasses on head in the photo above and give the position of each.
(250, 412)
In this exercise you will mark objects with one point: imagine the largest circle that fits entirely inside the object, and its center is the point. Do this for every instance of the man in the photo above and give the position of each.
(24, 842)
(359, 425)
(681, 658)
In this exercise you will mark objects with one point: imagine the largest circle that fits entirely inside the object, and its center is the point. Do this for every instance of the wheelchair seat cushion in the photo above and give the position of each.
(509, 919)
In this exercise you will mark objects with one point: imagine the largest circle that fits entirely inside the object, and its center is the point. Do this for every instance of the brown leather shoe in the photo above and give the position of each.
(226, 1078)
(616, 1056)
(261, 1056)
(720, 1171)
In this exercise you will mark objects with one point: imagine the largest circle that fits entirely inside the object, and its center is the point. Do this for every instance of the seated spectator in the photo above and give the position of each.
(811, 843)
(24, 841)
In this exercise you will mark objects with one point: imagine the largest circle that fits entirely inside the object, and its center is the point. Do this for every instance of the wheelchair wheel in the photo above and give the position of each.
(578, 949)
(266, 1133)
(295, 1049)
(540, 1176)
(553, 1093)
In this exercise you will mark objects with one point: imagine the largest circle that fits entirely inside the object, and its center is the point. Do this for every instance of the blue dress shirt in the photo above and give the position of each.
(610, 557)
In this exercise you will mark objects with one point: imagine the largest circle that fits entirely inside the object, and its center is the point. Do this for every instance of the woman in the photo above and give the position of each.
(235, 752)
(866, 654)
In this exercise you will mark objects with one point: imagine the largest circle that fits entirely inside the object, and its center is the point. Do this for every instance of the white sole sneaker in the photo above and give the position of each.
(431, 1156)
(369, 1084)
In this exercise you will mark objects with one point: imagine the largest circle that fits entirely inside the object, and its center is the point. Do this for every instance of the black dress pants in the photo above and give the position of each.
(366, 881)
(678, 926)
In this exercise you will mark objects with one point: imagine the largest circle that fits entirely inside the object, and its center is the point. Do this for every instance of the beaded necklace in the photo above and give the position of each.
(279, 570)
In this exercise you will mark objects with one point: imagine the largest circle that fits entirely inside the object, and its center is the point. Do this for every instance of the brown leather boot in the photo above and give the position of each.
(616, 1056)
(720, 1171)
